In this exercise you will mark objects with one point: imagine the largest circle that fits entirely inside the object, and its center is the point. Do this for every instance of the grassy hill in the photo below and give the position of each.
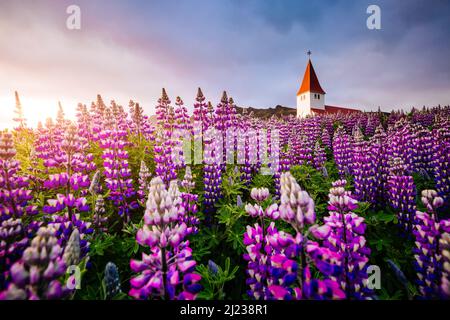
(278, 111)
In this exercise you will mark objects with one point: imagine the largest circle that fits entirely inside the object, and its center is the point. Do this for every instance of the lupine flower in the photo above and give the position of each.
(213, 267)
(444, 244)
(283, 165)
(111, 280)
(239, 202)
(274, 271)
(326, 139)
(117, 172)
(187, 183)
(64, 226)
(99, 218)
(35, 275)
(363, 170)
(13, 240)
(342, 151)
(347, 239)
(319, 156)
(201, 121)
(258, 251)
(14, 193)
(164, 155)
(401, 191)
(212, 177)
(189, 203)
(144, 181)
(138, 118)
(72, 250)
(167, 271)
(428, 232)
(183, 130)
(94, 187)
(377, 145)
(259, 194)
(441, 167)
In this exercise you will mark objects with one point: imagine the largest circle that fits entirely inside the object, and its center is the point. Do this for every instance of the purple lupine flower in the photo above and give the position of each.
(378, 154)
(424, 144)
(347, 239)
(64, 227)
(278, 263)
(243, 152)
(72, 181)
(13, 240)
(402, 193)
(35, 275)
(200, 116)
(444, 244)
(14, 194)
(189, 203)
(371, 124)
(95, 187)
(258, 257)
(363, 169)
(212, 174)
(164, 155)
(326, 139)
(259, 194)
(213, 267)
(138, 119)
(167, 271)
(144, 181)
(284, 165)
(319, 156)
(257, 244)
(84, 121)
(99, 218)
(111, 280)
(441, 166)
(428, 233)
(182, 131)
(117, 172)
(72, 250)
(223, 120)
(342, 151)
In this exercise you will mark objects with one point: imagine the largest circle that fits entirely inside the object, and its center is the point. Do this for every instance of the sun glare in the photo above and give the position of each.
(35, 110)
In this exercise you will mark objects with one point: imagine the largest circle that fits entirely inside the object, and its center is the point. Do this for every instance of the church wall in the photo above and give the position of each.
(308, 100)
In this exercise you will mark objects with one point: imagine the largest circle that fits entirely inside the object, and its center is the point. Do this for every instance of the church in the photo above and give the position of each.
(311, 96)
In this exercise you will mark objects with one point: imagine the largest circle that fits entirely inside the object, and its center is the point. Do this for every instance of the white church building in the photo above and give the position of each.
(311, 96)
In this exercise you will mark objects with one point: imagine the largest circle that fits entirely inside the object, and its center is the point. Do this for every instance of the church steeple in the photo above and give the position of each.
(310, 95)
(310, 81)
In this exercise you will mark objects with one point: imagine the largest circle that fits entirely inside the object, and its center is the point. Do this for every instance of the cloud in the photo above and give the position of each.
(253, 49)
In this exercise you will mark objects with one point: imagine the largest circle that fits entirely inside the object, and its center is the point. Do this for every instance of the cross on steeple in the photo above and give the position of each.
(309, 54)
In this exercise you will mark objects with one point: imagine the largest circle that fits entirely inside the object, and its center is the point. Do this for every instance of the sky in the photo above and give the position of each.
(253, 49)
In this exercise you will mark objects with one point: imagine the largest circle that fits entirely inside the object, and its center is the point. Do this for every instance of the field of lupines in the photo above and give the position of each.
(108, 206)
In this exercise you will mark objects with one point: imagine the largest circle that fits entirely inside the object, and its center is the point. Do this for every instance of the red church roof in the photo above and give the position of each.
(310, 81)
(334, 109)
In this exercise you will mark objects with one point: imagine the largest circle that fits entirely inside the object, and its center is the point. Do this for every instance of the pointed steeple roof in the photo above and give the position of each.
(310, 81)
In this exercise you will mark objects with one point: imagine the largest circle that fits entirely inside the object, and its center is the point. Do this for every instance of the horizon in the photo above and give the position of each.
(254, 51)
